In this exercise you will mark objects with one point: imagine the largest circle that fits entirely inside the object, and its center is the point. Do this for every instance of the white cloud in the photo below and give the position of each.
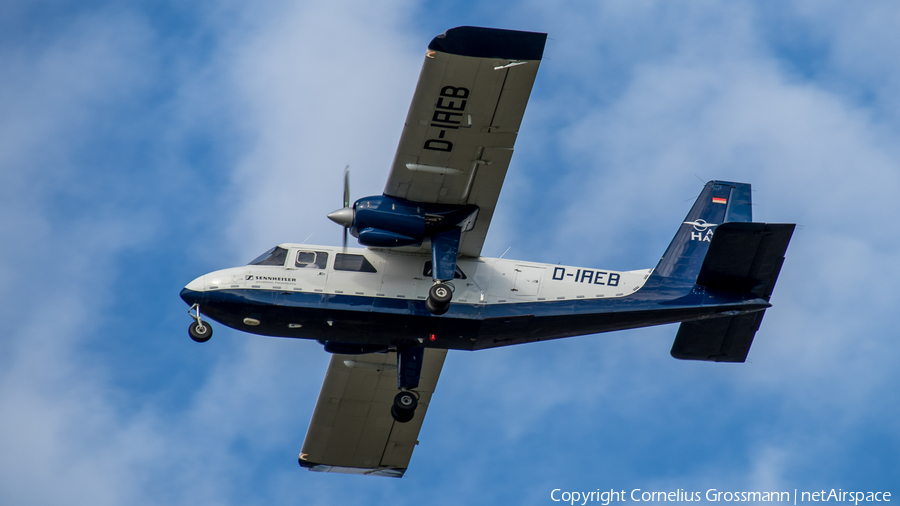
(325, 86)
(70, 424)
(712, 99)
(636, 99)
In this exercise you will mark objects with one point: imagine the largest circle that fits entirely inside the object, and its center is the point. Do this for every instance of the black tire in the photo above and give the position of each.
(406, 401)
(441, 294)
(435, 310)
(200, 332)
(402, 415)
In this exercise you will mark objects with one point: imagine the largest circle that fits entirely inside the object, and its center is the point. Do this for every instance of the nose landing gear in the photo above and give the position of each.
(200, 331)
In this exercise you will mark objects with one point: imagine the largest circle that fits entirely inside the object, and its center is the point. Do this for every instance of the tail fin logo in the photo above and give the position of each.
(702, 230)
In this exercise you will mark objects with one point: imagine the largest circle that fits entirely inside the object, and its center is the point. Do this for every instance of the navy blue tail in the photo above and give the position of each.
(743, 261)
(719, 202)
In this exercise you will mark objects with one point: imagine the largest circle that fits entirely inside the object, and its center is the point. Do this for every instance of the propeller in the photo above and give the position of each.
(347, 200)
(344, 215)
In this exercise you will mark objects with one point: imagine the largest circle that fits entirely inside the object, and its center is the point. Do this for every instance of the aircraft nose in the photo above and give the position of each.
(190, 296)
(193, 292)
(195, 285)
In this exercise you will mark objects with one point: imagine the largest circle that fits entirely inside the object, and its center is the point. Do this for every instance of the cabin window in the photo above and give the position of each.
(459, 274)
(311, 259)
(354, 263)
(275, 256)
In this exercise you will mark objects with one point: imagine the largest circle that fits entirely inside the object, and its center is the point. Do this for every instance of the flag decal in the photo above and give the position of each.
(719, 200)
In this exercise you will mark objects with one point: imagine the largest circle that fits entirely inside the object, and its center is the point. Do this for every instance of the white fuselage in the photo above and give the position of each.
(403, 276)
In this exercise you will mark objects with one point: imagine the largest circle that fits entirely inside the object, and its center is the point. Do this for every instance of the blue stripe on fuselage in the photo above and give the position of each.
(367, 319)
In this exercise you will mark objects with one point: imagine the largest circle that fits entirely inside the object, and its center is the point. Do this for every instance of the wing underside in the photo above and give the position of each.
(352, 430)
(458, 138)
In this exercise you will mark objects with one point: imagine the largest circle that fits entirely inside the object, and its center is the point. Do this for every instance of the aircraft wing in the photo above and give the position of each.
(462, 124)
(352, 430)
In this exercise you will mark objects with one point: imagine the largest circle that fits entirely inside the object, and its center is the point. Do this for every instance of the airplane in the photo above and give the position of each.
(389, 312)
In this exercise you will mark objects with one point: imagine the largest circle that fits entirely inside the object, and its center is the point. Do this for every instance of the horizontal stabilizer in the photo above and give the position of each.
(745, 257)
(725, 339)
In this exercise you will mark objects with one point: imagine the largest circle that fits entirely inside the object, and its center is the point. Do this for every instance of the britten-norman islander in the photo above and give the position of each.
(389, 312)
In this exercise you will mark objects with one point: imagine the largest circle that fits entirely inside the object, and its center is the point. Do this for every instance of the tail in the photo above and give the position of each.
(718, 203)
(719, 248)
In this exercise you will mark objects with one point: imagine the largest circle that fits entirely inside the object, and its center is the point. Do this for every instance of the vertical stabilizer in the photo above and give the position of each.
(719, 202)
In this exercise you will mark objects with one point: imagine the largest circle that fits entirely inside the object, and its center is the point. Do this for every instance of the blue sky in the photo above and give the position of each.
(145, 143)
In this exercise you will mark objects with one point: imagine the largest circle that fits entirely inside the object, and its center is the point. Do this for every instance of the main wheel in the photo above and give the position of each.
(440, 294)
(435, 310)
(406, 401)
(200, 331)
(402, 415)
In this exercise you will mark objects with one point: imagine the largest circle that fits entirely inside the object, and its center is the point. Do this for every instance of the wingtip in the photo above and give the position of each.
(480, 42)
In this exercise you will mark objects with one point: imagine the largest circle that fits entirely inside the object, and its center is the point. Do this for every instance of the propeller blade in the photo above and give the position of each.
(344, 215)
(347, 186)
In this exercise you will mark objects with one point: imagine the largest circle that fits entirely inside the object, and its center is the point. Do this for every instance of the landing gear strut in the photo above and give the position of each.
(444, 253)
(200, 331)
(409, 368)
(439, 296)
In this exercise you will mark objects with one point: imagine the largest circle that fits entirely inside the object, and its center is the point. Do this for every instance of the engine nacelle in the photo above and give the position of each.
(384, 221)
(385, 239)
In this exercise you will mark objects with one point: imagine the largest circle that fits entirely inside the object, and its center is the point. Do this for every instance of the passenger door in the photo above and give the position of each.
(310, 268)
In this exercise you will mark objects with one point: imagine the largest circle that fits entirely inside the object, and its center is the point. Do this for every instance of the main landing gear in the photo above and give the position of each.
(200, 331)
(404, 408)
(409, 368)
(439, 296)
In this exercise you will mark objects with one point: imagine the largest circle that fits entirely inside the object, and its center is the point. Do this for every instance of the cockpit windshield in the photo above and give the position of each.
(275, 256)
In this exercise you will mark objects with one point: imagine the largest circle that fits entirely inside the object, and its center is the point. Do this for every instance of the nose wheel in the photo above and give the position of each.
(439, 296)
(200, 330)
